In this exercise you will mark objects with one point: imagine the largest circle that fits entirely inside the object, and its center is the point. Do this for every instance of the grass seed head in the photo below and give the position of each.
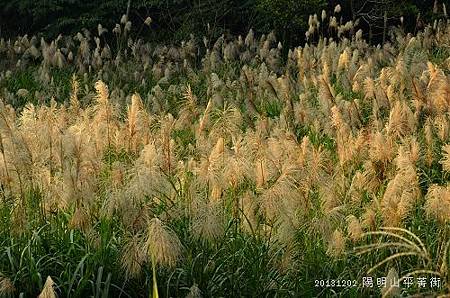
(162, 243)
(6, 286)
(48, 291)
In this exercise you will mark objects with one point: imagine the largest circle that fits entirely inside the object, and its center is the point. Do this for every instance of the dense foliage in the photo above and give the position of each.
(177, 19)
(222, 169)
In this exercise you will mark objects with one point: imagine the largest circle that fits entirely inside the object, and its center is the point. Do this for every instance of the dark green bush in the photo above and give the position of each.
(289, 18)
(174, 20)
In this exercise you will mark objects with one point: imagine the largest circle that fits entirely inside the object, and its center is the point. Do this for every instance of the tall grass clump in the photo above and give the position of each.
(223, 168)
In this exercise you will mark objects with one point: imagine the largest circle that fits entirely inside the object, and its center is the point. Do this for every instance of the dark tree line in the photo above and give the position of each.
(174, 20)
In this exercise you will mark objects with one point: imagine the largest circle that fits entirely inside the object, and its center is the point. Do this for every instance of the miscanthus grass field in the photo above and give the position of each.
(224, 168)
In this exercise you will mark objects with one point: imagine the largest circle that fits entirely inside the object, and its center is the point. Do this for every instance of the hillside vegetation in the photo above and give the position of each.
(223, 168)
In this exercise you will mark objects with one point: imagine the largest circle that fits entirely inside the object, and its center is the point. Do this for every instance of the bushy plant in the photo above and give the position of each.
(222, 168)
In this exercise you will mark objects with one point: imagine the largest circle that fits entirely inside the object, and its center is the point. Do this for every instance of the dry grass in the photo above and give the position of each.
(343, 145)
